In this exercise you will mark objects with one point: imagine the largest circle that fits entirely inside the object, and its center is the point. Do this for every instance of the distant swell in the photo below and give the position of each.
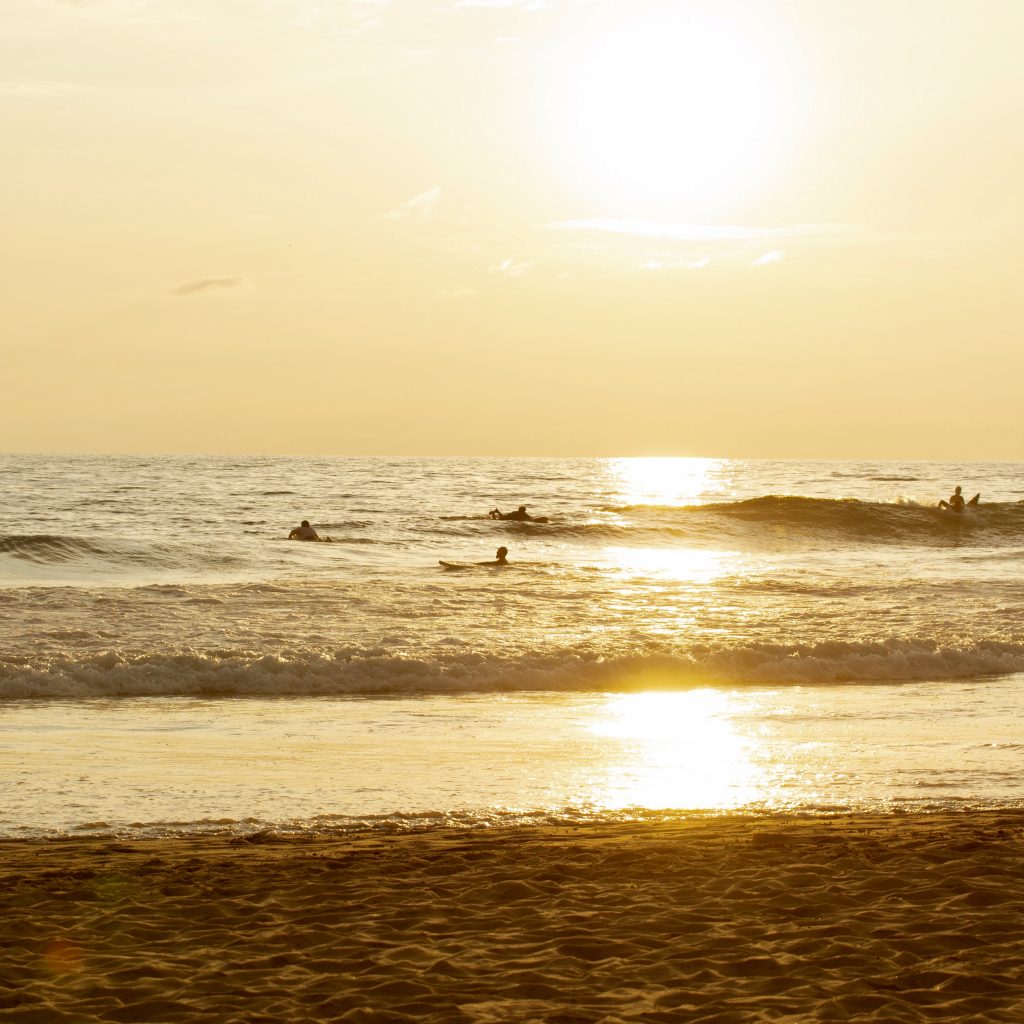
(354, 672)
(45, 549)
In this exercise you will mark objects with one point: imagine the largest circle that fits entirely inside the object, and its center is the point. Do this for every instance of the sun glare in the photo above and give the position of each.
(680, 103)
(664, 481)
(688, 565)
(685, 752)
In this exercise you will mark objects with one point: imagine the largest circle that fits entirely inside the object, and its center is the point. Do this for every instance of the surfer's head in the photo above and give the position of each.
(522, 508)
(502, 552)
(305, 522)
(957, 491)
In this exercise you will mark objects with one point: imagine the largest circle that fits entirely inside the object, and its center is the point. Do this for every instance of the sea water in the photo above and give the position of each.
(682, 636)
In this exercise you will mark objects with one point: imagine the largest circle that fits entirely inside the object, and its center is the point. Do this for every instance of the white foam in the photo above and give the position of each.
(116, 674)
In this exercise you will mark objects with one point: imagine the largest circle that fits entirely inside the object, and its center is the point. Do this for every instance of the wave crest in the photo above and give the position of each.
(844, 519)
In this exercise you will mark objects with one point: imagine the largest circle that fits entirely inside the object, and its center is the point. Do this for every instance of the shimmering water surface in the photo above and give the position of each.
(682, 634)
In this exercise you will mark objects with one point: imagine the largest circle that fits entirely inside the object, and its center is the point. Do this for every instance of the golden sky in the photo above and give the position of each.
(593, 227)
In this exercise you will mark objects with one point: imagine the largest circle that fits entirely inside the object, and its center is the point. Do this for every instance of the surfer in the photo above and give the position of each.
(956, 501)
(304, 532)
(499, 558)
(519, 516)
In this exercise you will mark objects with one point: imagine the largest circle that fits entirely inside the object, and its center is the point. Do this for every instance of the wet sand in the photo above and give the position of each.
(903, 918)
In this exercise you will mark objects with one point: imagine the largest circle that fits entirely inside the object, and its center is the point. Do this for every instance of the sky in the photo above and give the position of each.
(733, 228)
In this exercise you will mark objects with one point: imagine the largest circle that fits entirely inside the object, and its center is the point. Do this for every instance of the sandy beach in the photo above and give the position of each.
(903, 918)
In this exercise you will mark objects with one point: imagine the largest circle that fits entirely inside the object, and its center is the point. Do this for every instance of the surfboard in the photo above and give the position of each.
(471, 565)
(974, 500)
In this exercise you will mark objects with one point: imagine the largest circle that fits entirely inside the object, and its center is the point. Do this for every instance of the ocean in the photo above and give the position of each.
(683, 636)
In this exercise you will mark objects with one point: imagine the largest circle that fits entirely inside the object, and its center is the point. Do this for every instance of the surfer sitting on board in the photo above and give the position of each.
(956, 501)
(304, 532)
(520, 515)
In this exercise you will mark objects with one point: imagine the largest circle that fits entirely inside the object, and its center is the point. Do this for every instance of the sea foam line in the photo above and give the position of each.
(344, 673)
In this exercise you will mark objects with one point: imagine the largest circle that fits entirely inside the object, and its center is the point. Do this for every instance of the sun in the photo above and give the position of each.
(681, 103)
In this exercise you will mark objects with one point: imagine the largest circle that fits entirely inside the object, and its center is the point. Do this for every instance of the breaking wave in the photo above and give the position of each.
(355, 672)
(836, 519)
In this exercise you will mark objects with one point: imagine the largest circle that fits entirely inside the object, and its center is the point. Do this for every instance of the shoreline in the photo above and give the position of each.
(853, 917)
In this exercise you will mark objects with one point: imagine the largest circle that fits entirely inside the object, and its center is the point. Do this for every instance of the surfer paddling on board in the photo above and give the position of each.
(306, 532)
(956, 501)
(519, 516)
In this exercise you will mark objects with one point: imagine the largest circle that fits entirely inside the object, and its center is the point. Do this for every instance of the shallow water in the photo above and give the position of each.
(160, 766)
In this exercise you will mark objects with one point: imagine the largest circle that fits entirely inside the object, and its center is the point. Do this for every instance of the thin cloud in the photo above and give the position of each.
(676, 264)
(420, 207)
(773, 256)
(367, 14)
(511, 268)
(522, 5)
(206, 284)
(136, 12)
(700, 232)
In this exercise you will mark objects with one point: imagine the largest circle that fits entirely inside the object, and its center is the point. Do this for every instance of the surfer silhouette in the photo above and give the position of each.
(304, 532)
(956, 501)
(499, 558)
(519, 516)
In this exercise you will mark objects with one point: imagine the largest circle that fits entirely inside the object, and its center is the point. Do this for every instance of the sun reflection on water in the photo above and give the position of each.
(665, 481)
(691, 565)
(677, 750)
